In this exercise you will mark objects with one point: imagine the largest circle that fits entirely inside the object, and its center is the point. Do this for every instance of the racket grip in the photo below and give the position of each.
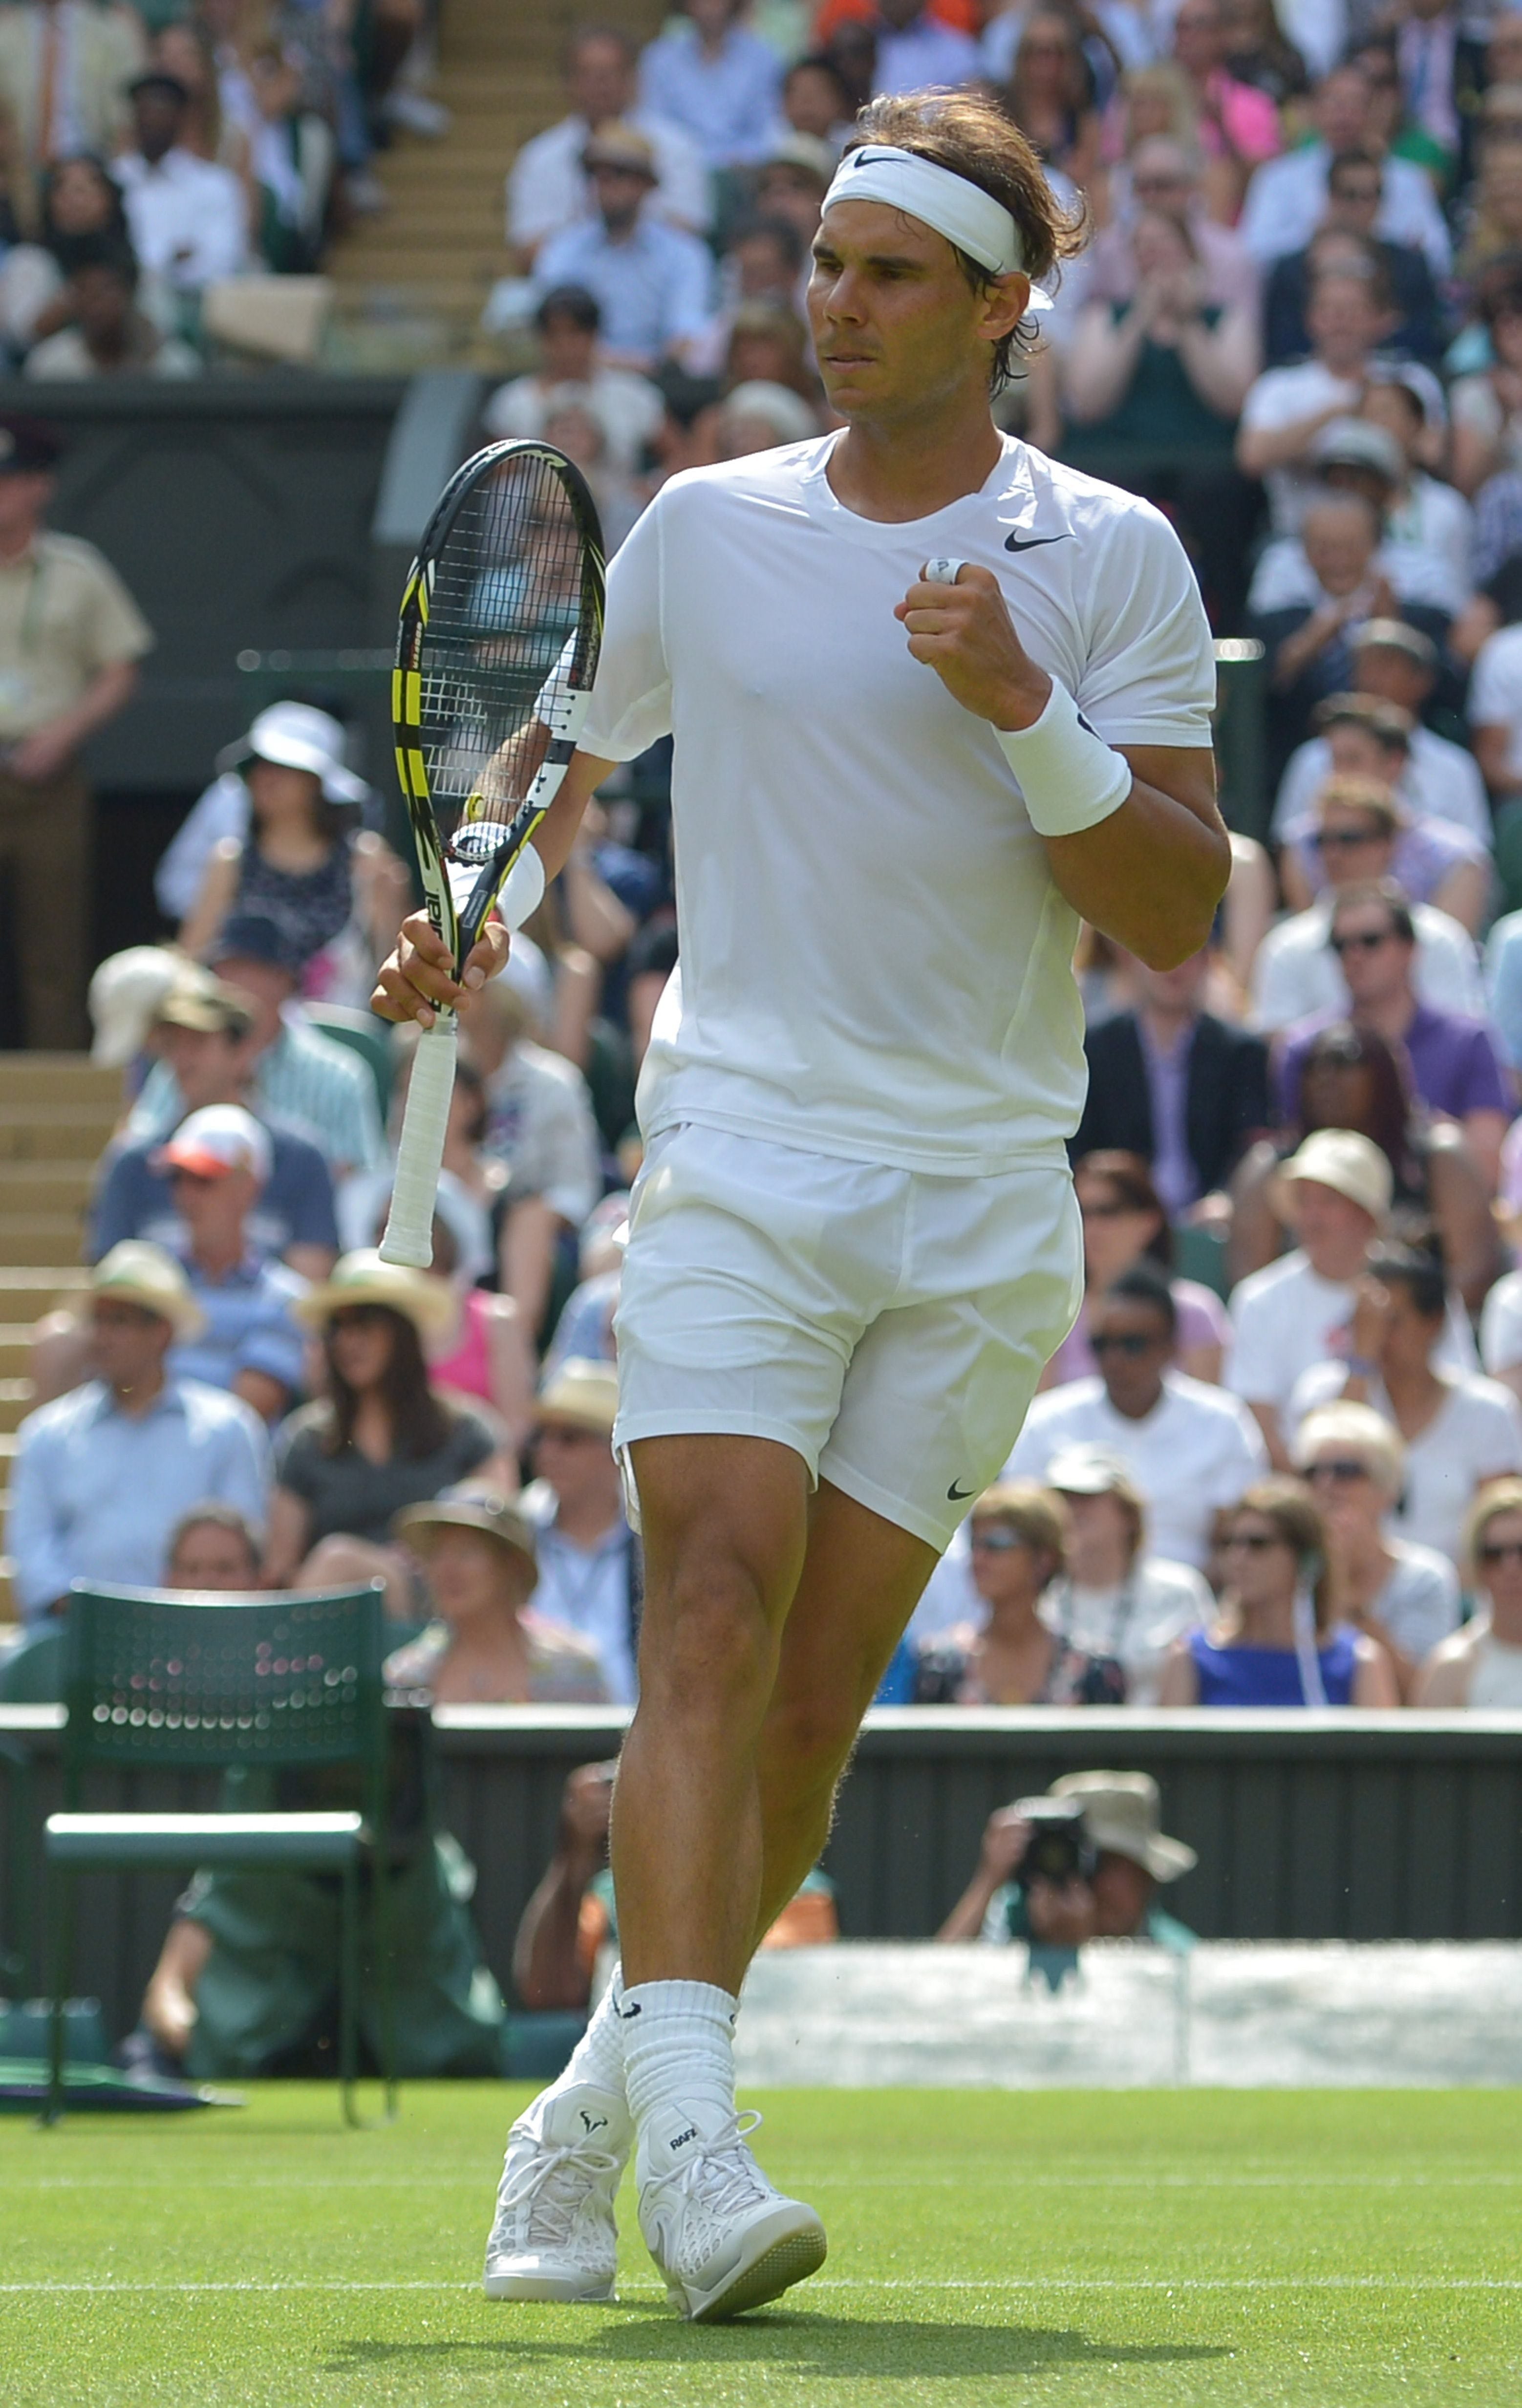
(409, 1225)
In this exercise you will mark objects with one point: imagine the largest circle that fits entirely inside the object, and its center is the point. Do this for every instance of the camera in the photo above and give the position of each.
(1059, 1849)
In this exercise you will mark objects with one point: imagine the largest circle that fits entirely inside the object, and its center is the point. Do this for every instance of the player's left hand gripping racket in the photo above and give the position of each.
(501, 624)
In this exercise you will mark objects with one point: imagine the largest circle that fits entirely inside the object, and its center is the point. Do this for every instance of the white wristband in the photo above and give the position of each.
(1070, 777)
(522, 889)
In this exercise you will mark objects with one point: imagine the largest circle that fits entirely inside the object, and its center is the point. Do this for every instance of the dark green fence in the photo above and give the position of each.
(1368, 1826)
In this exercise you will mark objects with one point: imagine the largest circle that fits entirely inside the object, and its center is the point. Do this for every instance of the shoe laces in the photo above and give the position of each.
(552, 2185)
(721, 2177)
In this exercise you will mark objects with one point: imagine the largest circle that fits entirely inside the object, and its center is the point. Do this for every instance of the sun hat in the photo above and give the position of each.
(469, 1506)
(1394, 636)
(218, 1138)
(296, 736)
(125, 995)
(1359, 443)
(199, 1001)
(614, 144)
(1123, 1811)
(363, 1278)
(1342, 1160)
(583, 1393)
(138, 1272)
(1088, 1470)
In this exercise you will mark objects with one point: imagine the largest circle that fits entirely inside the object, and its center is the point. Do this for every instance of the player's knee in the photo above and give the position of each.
(705, 1643)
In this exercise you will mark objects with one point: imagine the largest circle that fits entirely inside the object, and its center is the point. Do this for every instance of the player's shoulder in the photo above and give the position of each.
(1087, 506)
(780, 474)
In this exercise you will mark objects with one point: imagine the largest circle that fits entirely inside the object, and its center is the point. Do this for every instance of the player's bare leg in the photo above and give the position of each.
(862, 1579)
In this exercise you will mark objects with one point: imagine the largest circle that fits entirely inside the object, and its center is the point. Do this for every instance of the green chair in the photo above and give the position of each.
(365, 1036)
(33, 1673)
(157, 1682)
(15, 1934)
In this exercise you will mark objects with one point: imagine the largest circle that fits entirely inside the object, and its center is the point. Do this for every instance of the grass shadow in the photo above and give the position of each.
(880, 2347)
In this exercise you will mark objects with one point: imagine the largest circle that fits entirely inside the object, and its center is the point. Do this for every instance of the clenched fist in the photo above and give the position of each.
(964, 632)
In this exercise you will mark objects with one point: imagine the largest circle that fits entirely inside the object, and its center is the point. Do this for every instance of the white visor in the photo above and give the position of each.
(963, 212)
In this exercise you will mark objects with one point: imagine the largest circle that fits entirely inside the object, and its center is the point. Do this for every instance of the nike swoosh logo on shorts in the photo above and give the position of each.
(1029, 542)
(959, 1496)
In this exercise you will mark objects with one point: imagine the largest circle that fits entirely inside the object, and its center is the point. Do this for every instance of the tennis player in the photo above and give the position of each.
(934, 699)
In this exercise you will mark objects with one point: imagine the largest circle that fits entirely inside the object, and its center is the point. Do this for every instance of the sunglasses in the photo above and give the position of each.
(1339, 1467)
(1252, 1542)
(996, 1543)
(1129, 1341)
(1502, 1550)
(1344, 840)
(359, 1316)
(1367, 940)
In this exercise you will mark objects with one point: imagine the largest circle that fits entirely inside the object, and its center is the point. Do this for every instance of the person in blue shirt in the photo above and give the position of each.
(653, 283)
(1276, 1643)
(717, 81)
(103, 1474)
(218, 1161)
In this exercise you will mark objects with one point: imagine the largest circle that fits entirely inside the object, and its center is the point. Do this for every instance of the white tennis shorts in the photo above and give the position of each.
(889, 1326)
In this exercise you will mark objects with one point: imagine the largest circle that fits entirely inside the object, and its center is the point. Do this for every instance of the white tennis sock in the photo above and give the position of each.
(599, 2055)
(679, 2047)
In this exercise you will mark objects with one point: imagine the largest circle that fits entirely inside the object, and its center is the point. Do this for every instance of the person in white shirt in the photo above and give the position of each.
(1459, 1429)
(1404, 1594)
(1296, 974)
(1287, 408)
(1500, 1333)
(187, 216)
(1286, 195)
(1480, 1668)
(716, 80)
(1495, 712)
(548, 189)
(854, 1242)
(1116, 1598)
(1190, 1448)
(1396, 663)
(628, 408)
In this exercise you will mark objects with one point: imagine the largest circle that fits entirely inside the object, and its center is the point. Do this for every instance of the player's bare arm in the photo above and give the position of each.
(420, 974)
(1151, 874)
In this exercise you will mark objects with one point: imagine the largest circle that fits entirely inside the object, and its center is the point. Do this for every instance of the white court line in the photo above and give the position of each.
(845, 2283)
(1023, 2180)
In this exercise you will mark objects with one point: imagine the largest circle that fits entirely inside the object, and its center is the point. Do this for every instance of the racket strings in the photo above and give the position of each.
(503, 638)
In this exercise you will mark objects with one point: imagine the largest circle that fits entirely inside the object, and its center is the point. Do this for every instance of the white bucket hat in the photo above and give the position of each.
(1123, 1811)
(299, 736)
(125, 993)
(1343, 1160)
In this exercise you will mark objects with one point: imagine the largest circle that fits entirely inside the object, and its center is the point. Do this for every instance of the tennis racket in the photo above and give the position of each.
(501, 625)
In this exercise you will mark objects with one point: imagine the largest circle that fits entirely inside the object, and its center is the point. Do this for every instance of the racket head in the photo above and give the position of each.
(500, 628)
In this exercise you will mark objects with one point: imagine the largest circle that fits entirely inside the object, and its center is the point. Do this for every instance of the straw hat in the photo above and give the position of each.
(583, 1395)
(137, 1272)
(363, 1278)
(1341, 1159)
(1123, 1811)
(469, 1507)
(125, 995)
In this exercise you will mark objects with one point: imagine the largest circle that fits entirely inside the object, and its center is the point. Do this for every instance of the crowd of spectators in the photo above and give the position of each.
(148, 151)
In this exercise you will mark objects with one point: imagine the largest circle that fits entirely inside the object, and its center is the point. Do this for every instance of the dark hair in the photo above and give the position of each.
(468, 1077)
(1419, 1271)
(1295, 1516)
(781, 231)
(1386, 891)
(1387, 721)
(1343, 160)
(820, 63)
(1146, 1284)
(1131, 1180)
(116, 223)
(1388, 1121)
(968, 133)
(572, 301)
(420, 1423)
(81, 251)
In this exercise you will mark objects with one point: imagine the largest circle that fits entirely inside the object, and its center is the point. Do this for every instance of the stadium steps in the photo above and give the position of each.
(440, 244)
(57, 1110)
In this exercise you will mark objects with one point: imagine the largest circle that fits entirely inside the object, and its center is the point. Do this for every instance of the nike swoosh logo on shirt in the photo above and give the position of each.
(1028, 542)
(959, 1496)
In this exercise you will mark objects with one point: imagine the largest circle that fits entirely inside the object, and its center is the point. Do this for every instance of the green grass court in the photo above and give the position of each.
(1147, 2247)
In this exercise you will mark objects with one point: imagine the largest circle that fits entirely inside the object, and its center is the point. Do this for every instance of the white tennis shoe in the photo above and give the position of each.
(723, 2238)
(554, 2237)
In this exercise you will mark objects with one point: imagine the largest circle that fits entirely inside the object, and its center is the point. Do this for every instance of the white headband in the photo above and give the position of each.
(963, 212)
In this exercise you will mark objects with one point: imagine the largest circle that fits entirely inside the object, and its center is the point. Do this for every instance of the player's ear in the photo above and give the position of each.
(1005, 301)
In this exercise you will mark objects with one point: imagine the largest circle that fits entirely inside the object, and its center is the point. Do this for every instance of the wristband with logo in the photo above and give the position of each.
(522, 889)
(1069, 778)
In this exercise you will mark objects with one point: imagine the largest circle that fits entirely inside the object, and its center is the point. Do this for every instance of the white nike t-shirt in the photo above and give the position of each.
(875, 961)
